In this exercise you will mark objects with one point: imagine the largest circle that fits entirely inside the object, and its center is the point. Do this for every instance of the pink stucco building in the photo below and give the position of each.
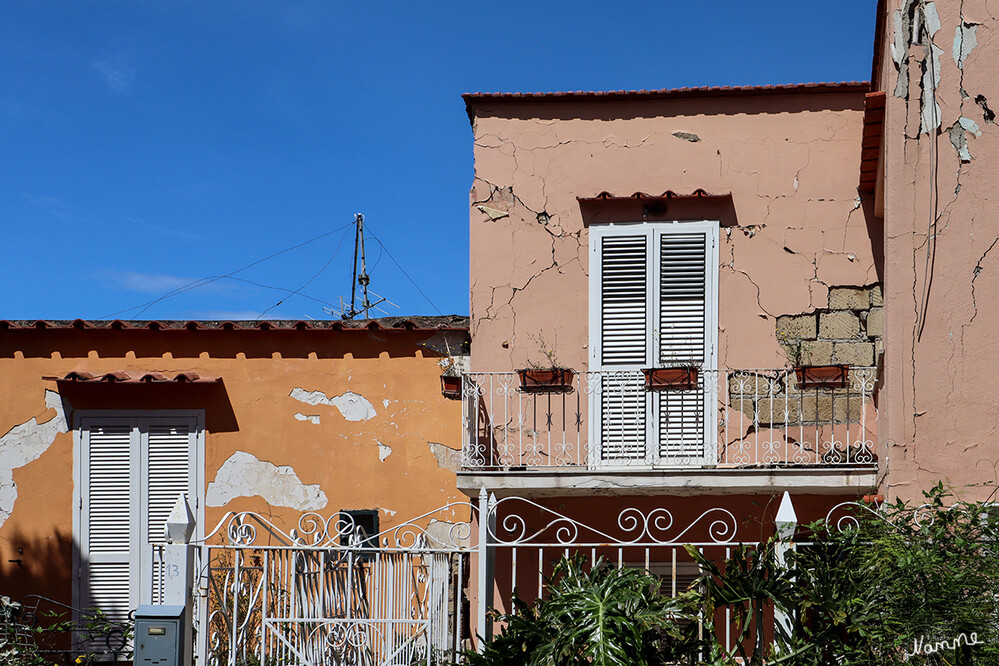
(684, 257)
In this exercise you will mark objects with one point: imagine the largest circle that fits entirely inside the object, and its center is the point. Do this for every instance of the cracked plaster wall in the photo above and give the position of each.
(941, 231)
(796, 226)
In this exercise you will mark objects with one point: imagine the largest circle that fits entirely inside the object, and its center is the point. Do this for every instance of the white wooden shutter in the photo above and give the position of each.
(134, 470)
(168, 474)
(107, 537)
(682, 303)
(623, 349)
(655, 301)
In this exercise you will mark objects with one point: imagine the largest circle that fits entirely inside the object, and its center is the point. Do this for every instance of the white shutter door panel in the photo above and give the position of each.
(107, 519)
(108, 588)
(683, 340)
(682, 303)
(622, 406)
(624, 337)
(108, 492)
(623, 300)
(169, 454)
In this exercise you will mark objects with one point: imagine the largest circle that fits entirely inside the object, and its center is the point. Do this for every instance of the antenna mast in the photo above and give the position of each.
(361, 278)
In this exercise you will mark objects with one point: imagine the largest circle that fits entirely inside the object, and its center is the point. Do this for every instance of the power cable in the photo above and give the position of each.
(195, 284)
(309, 281)
(405, 273)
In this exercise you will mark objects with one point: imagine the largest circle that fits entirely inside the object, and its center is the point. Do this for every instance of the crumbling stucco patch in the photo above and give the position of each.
(687, 136)
(442, 532)
(312, 418)
(959, 136)
(24, 443)
(447, 458)
(243, 475)
(384, 451)
(352, 406)
(965, 39)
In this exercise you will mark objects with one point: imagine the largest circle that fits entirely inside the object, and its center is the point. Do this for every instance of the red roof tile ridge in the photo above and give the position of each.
(666, 92)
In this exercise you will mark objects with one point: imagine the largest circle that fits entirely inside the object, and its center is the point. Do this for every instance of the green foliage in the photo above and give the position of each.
(600, 616)
(876, 593)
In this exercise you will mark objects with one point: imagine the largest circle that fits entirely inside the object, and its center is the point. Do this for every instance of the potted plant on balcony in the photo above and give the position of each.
(675, 374)
(451, 367)
(671, 378)
(451, 378)
(547, 377)
(813, 376)
(822, 376)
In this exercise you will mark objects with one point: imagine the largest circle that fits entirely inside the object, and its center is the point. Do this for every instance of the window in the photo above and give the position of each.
(653, 303)
(363, 524)
(131, 470)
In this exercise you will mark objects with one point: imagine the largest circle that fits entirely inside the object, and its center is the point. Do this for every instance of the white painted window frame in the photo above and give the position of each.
(140, 575)
(652, 229)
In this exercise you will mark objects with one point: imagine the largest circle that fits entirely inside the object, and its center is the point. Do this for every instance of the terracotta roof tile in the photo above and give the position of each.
(413, 323)
(668, 194)
(665, 93)
(121, 377)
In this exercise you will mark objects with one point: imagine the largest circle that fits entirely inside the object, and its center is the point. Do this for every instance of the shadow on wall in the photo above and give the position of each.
(213, 398)
(719, 207)
(33, 565)
(607, 108)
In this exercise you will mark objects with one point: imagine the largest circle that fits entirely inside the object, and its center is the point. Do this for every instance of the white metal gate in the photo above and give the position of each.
(325, 594)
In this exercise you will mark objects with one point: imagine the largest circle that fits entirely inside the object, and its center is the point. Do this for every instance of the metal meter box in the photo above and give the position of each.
(159, 636)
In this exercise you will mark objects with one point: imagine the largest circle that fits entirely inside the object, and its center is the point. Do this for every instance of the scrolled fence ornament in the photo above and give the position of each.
(340, 530)
(638, 527)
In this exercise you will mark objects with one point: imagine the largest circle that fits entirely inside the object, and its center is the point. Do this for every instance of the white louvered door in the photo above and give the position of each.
(683, 324)
(133, 471)
(653, 304)
(106, 538)
(623, 349)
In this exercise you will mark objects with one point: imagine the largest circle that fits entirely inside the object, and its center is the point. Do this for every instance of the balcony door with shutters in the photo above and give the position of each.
(131, 471)
(653, 303)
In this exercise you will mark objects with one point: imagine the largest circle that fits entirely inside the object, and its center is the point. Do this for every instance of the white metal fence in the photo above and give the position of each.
(325, 593)
(610, 419)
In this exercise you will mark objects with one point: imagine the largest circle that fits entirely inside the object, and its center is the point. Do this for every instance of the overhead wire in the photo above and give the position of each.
(403, 270)
(195, 284)
(309, 281)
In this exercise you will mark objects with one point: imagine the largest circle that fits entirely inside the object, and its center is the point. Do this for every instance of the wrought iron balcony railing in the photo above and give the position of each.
(723, 418)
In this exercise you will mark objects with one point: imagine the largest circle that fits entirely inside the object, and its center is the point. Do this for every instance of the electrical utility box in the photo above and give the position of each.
(159, 636)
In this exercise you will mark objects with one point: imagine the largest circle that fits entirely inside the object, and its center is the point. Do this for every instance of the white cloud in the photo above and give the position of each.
(148, 283)
(117, 73)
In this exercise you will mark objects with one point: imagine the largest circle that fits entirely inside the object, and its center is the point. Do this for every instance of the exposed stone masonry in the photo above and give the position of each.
(848, 331)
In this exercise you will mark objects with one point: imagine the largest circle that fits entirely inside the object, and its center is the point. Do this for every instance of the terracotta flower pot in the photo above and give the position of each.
(822, 376)
(670, 379)
(451, 387)
(542, 380)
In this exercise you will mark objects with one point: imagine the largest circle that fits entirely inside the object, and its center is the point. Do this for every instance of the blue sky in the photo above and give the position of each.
(146, 145)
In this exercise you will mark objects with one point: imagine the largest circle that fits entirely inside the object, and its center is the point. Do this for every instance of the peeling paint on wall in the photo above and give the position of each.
(352, 406)
(447, 458)
(959, 138)
(243, 475)
(384, 450)
(24, 443)
(312, 418)
(965, 39)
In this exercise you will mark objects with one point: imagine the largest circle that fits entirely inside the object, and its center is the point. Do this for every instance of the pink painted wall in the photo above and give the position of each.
(940, 321)
(794, 225)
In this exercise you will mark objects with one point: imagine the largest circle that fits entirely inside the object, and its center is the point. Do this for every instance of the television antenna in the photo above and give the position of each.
(359, 278)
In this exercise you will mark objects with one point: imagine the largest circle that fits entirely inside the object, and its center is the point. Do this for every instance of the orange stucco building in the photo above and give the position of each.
(106, 422)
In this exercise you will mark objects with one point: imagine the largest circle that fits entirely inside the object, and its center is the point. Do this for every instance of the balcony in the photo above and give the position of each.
(731, 431)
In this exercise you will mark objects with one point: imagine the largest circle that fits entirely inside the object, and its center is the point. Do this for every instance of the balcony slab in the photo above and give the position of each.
(562, 482)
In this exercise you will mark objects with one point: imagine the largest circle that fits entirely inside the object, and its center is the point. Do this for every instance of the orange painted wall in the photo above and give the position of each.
(251, 411)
